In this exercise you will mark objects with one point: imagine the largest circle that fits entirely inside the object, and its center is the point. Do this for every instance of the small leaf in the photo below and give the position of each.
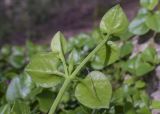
(150, 55)
(114, 52)
(140, 84)
(126, 49)
(43, 69)
(100, 58)
(149, 4)
(107, 55)
(16, 59)
(152, 21)
(114, 21)
(20, 108)
(138, 26)
(142, 12)
(94, 91)
(144, 110)
(129, 108)
(137, 66)
(45, 100)
(59, 44)
(20, 87)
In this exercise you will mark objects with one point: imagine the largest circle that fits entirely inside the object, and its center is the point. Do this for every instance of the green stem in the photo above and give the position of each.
(73, 75)
(89, 56)
(59, 96)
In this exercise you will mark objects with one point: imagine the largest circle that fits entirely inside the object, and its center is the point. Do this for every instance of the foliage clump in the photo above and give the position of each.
(88, 74)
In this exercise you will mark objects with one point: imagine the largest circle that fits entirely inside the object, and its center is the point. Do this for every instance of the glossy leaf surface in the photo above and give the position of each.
(94, 91)
(114, 21)
(43, 69)
(20, 87)
(58, 43)
(138, 26)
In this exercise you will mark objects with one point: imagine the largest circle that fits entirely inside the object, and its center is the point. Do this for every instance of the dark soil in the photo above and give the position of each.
(75, 20)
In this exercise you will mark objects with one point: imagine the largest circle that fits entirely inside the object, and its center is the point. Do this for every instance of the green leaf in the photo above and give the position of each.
(114, 21)
(5, 50)
(142, 12)
(96, 35)
(20, 87)
(137, 66)
(20, 107)
(140, 84)
(100, 58)
(33, 48)
(152, 21)
(144, 110)
(155, 104)
(59, 44)
(150, 55)
(16, 59)
(78, 110)
(45, 100)
(126, 49)
(107, 55)
(149, 4)
(129, 108)
(114, 52)
(43, 69)
(126, 35)
(138, 26)
(118, 96)
(94, 91)
(5, 109)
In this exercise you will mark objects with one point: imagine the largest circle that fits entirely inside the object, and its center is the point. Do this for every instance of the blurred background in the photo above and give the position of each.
(38, 20)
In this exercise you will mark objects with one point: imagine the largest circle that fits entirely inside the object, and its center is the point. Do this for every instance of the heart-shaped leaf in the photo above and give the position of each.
(114, 21)
(94, 91)
(43, 69)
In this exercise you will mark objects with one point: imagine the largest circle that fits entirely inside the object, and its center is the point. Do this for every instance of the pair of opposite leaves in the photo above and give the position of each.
(95, 90)
(142, 63)
(146, 19)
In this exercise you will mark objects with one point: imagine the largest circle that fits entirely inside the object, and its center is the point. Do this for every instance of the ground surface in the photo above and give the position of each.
(75, 20)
